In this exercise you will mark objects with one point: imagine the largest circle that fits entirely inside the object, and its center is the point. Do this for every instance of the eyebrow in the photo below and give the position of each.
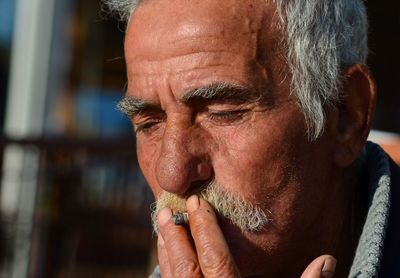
(131, 106)
(218, 92)
(221, 92)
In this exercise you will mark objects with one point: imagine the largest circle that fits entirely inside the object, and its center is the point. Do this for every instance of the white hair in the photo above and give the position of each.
(122, 8)
(322, 37)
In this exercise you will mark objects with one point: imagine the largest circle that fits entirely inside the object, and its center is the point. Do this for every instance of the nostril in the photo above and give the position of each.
(203, 176)
(197, 186)
(204, 171)
(177, 168)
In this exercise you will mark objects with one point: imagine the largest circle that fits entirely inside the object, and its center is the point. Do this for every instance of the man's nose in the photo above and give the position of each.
(184, 159)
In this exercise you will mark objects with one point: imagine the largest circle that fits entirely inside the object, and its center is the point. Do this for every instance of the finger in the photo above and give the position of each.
(182, 258)
(323, 266)
(163, 258)
(212, 250)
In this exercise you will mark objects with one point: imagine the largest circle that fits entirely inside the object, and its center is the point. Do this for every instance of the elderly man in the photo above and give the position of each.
(251, 116)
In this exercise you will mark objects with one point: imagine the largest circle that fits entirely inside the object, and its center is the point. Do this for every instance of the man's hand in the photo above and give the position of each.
(204, 252)
(323, 266)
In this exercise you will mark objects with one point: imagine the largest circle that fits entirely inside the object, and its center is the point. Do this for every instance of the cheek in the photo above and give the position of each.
(257, 158)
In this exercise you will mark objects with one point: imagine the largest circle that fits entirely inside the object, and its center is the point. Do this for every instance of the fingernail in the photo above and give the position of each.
(163, 216)
(329, 267)
(192, 203)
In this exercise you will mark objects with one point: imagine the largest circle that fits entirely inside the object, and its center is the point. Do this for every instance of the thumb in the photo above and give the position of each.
(322, 267)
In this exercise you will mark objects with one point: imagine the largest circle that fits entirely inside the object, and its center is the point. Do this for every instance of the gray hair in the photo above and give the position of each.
(322, 37)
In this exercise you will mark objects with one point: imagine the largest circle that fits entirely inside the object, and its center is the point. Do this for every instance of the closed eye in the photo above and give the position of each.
(227, 116)
(147, 125)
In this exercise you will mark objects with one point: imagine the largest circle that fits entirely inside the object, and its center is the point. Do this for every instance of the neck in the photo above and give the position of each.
(344, 246)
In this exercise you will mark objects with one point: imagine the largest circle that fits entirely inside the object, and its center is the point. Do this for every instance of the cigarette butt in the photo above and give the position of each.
(180, 218)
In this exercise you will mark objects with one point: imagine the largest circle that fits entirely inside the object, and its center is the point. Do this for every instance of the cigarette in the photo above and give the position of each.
(180, 218)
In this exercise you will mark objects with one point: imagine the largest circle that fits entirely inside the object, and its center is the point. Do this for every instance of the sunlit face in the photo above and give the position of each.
(212, 103)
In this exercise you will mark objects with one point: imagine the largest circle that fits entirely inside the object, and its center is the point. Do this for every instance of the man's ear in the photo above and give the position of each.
(355, 113)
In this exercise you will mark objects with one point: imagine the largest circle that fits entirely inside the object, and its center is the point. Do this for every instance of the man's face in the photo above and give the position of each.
(247, 134)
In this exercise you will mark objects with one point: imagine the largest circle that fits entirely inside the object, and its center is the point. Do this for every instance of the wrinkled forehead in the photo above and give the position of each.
(164, 22)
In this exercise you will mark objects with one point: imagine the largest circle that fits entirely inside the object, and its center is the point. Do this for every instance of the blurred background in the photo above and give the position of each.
(73, 201)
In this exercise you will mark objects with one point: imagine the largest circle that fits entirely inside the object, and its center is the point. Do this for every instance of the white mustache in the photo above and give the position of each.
(241, 213)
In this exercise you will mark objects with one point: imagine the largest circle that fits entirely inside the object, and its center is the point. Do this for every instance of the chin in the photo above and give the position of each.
(250, 251)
